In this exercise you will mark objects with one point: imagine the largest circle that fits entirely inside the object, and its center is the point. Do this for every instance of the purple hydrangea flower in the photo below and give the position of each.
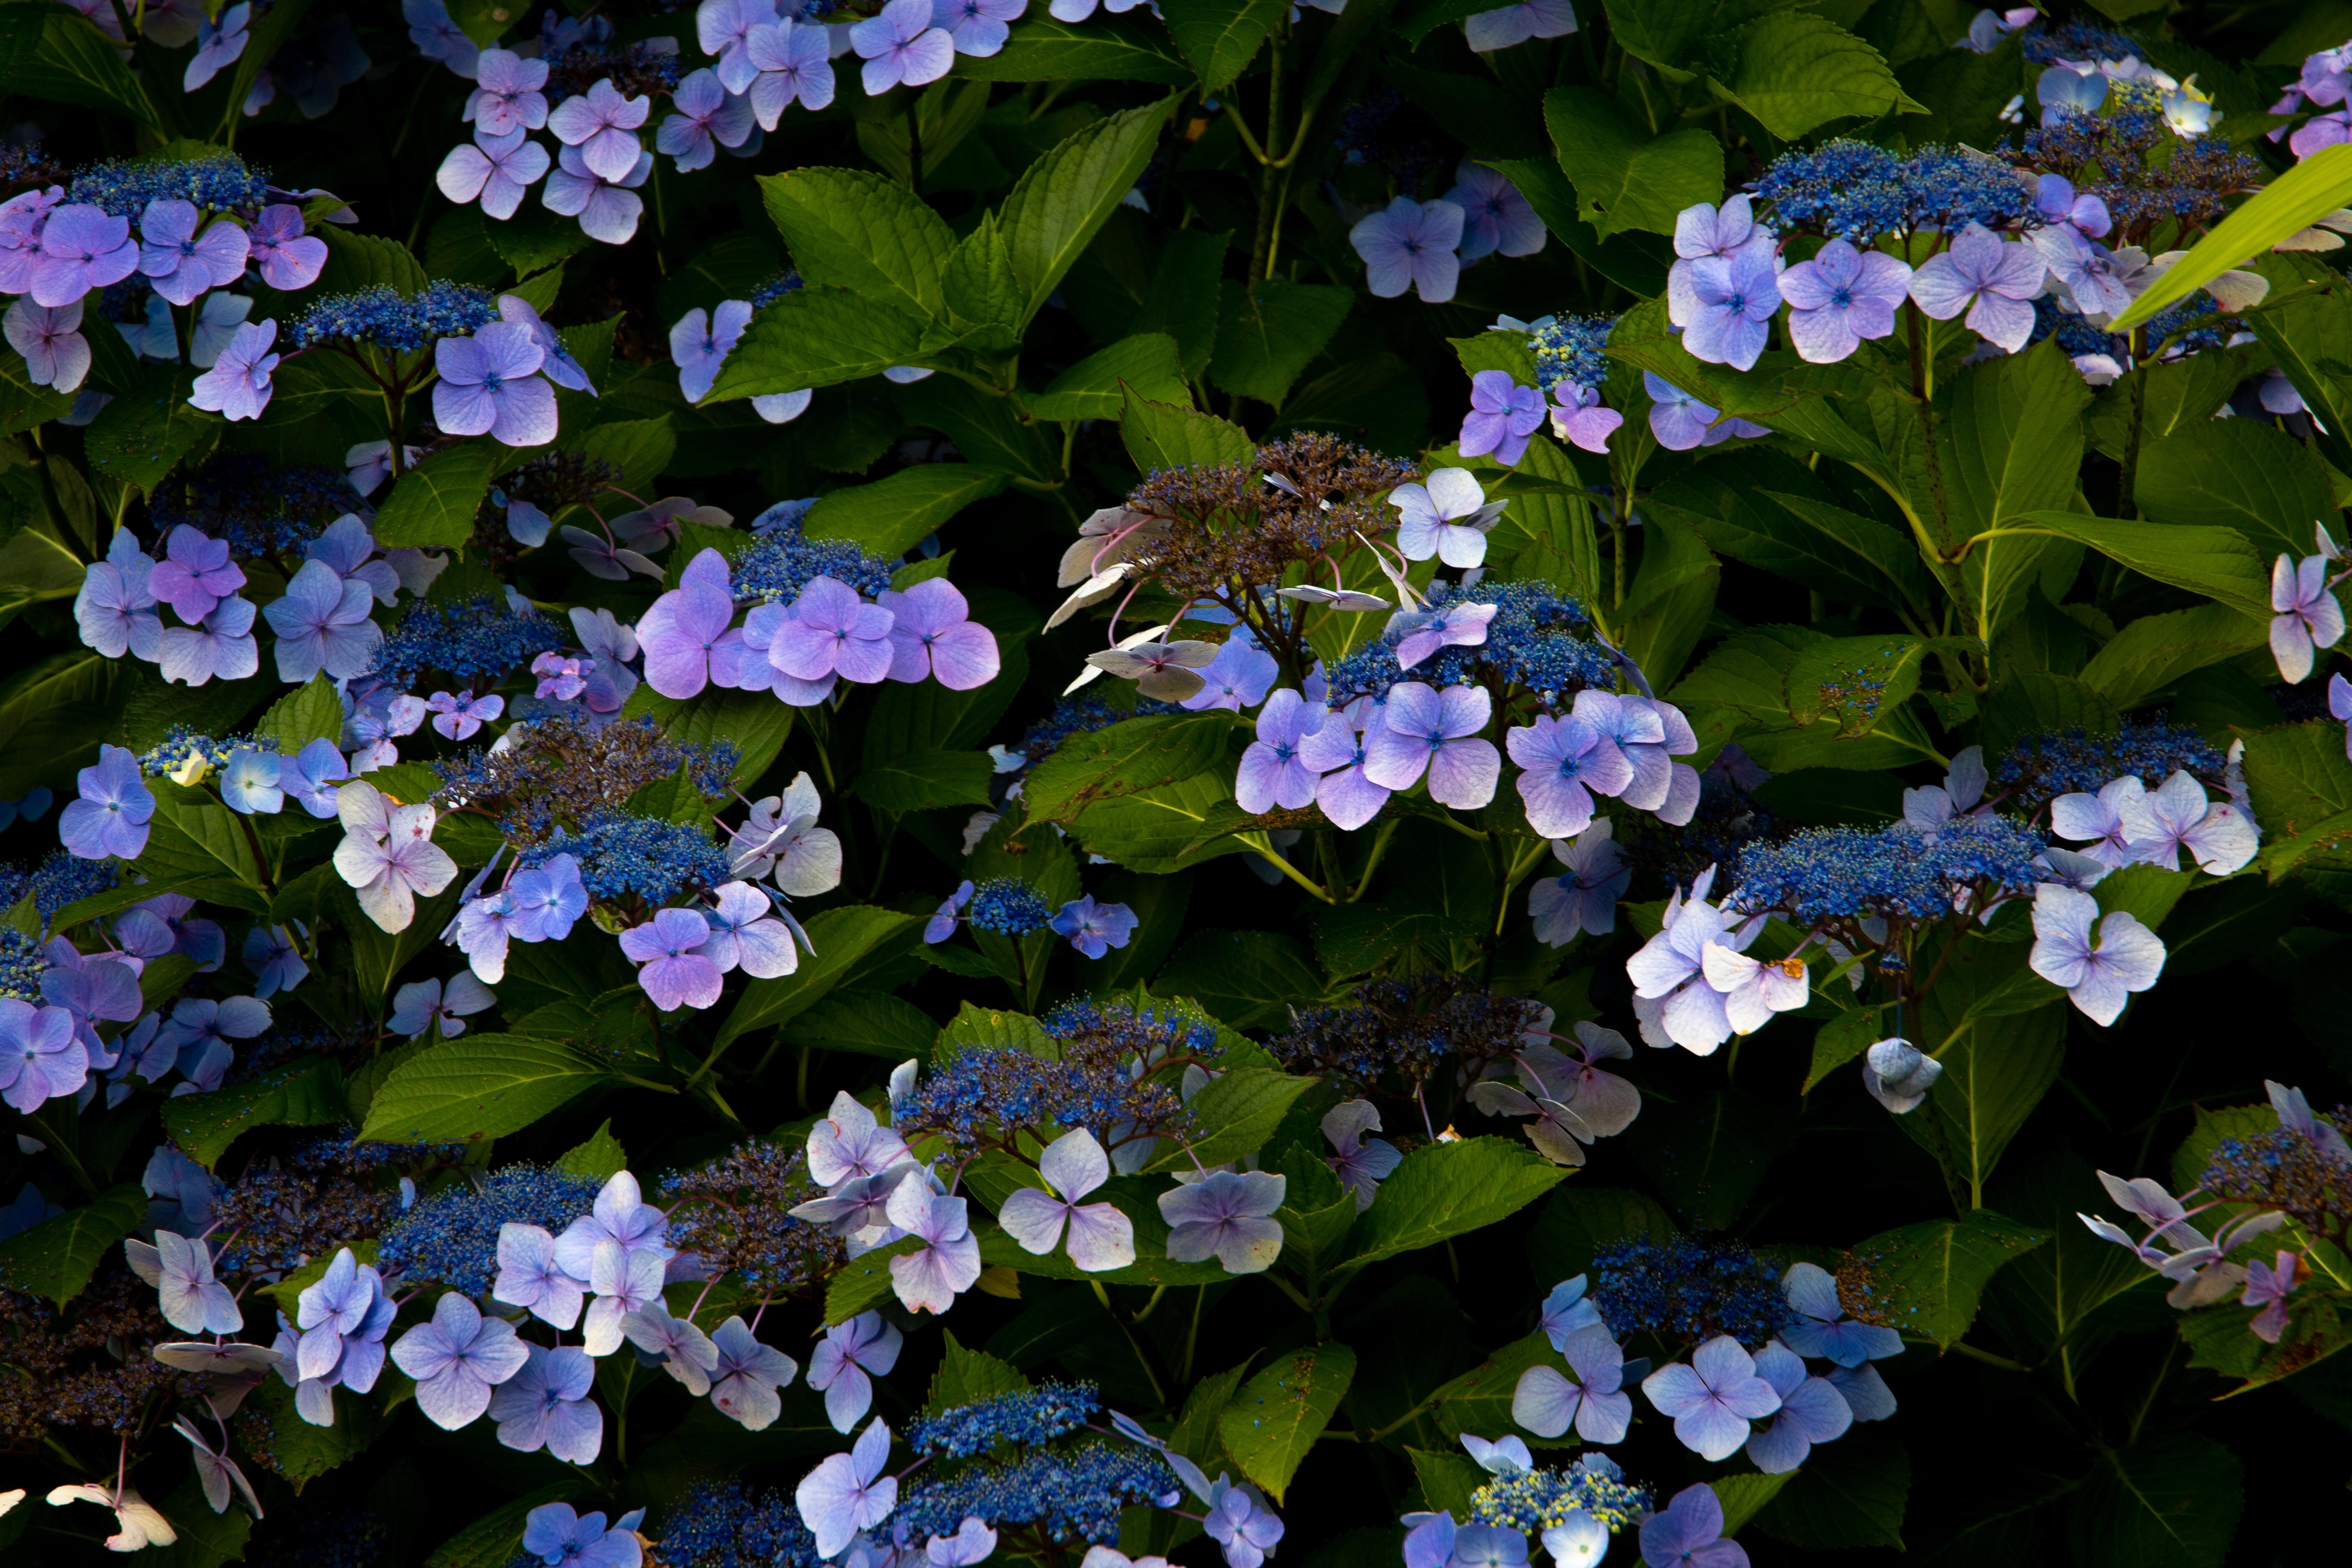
(1567, 761)
(489, 382)
(1488, 31)
(310, 777)
(1584, 898)
(1580, 419)
(1991, 278)
(1450, 516)
(546, 1404)
(82, 248)
(42, 1059)
(116, 606)
(1411, 243)
(237, 385)
(182, 263)
(724, 28)
(194, 574)
(745, 933)
(699, 346)
(55, 353)
(933, 633)
(848, 1492)
(847, 1361)
(1423, 730)
(277, 964)
(794, 66)
(929, 1278)
(193, 1302)
(249, 783)
(218, 43)
(1548, 1401)
(1338, 752)
(322, 624)
(1688, 1533)
(743, 1382)
(1237, 677)
(978, 27)
(222, 645)
(498, 170)
(708, 116)
(685, 634)
(2308, 616)
(608, 209)
(833, 632)
(1734, 298)
(672, 971)
(1714, 1398)
(530, 1277)
(288, 257)
(1274, 769)
(2097, 975)
(1818, 1325)
(1227, 1216)
(1496, 217)
(560, 1538)
(601, 125)
(506, 96)
(1840, 298)
(1811, 1410)
(899, 45)
(457, 1357)
(1094, 929)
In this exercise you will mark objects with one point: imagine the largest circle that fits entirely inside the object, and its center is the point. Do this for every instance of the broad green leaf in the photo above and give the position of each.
(1633, 259)
(1275, 1417)
(1624, 178)
(310, 712)
(2153, 652)
(597, 1159)
(496, 1537)
(1102, 49)
(1479, 1400)
(1927, 1279)
(191, 839)
(1446, 1481)
(912, 716)
(921, 780)
(2145, 892)
(977, 1029)
(1162, 830)
(1853, 682)
(2010, 441)
(842, 936)
(1269, 331)
(35, 566)
(301, 1452)
(24, 405)
(2311, 190)
(1798, 71)
(1847, 1495)
(2169, 1500)
(1744, 506)
(2239, 474)
(357, 260)
(54, 1259)
(1446, 1190)
(987, 430)
(60, 56)
(2298, 778)
(301, 1094)
(754, 722)
(147, 431)
(1742, 1497)
(1123, 759)
(1662, 32)
(535, 240)
(1219, 37)
(1841, 1041)
(1237, 1112)
(816, 337)
(1416, 19)
(1164, 436)
(2026, 702)
(868, 1023)
(892, 515)
(432, 506)
(1092, 388)
(478, 1086)
(2310, 337)
(1577, 1221)
(1063, 199)
(1247, 979)
(967, 1377)
(1709, 1154)
(854, 230)
(1999, 1061)
(2215, 562)
(54, 713)
(1666, 608)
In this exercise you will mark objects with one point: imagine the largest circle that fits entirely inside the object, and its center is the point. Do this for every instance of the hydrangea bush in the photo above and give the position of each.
(693, 684)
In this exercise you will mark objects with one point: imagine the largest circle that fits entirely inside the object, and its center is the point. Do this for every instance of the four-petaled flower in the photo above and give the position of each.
(1411, 243)
(1072, 1165)
(1227, 1216)
(2099, 975)
(457, 1357)
(1714, 1398)
(1503, 415)
(1841, 296)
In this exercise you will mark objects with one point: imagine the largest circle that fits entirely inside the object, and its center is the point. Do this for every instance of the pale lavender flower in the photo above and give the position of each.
(1450, 516)
(685, 1351)
(1094, 929)
(2175, 816)
(1840, 298)
(2268, 1287)
(849, 1143)
(1338, 753)
(1681, 422)
(743, 1382)
(1734, 298)
(558, 1538)
(41, 1059)
(849, 1492)
(1247, 1531)
(506, 96)
(1422, 633)
(2098, 975)
(1496, 217)
(1411, 243)
(699, 345)
(489, 383)
(1361, 1163)
(684, 632)
(1819, 1327)
(1703, 231)
(2066, 89)
(222, 645)
(1714, 1398)
(116, 606)
(708, 118)
(1584, 898)
(2308, 616)
(182, 263)
(216, 1472)
(1072, 1165)
(288, 257)
(608, 210)
(621, 1281)
(1566, 759)
(277, 964)
(743, 932)
(793, 66)
(1667, 973)
(1993, 279)
(2103, 821)
(978, 27)
(312, 776)
(933, 633)
(82, 248)
(497, 169)
(530, 1277)
(322, 624)
(546, 1406)
(929, 1278)
(833, 632)
(949, 915)
(1516, 24)
(115, 807)
(457, 1357)
(601, 124)
(1424, 729)
(249, 783)
(2087, 271)
(55, 353)
(191, 1300)
(1274, 769)
(1226, 1215)
(237, 385)
(847, 1361)
(899, 45)
(1236, 679)
(218, 43)
(425, 1005)
(194, 575)
(671, 971)
(2054, 198)
(1589, 1395)
(1580, 419)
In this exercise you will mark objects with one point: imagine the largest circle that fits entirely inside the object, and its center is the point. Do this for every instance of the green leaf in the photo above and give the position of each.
(24, 405)
(301, 1452)
(1841, 1041)
(967, 1377)
(1124, 759)
(1268, 332)
(1798, 71)
(1164, 436)
(432, 506)
(598, 1159)
(2239, 474)
(1578, 1220)
(1848, 1494)
(2311, 190)
(1105, 48)
(150, 429)
(842, 937)
(1237, 1112)
(868, 1023)
(816, 337)
(535, 240)
(2167, 1501)
(302, 1094)
(313, 712)
(356, 260)
(478, 1086)
(1742, 1497)
(1091, 389)
(977, 1029)
(1709, 1155)
(60, 56)
(496, 1537)
(892, 515)
(55, 1258)
(754, 722)
(1662, 32)
(2215, 562)
(2297, 775)
(1247, 979)
(921, 780)
(1666, 612)
(2025, 702)
(1275, 1417)
(2153, 652)
(1853, 681)
(1219, 37)
(1063, 199)
(1446, 1481)
(1624, 178)
(55, 712)
(854, 230)
(1929, 1277)
(1997, 1030)
(1446, 1190)
(190, 839)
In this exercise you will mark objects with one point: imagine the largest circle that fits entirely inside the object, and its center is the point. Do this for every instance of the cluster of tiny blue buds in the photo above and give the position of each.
(1009, 906)
(1532, 1501)
(124, 186)
(380, 315)
(475, 639)
(1857, 192)
(258, 509)
(1064, 1497)
(645, 857)
(64, 878)
(1690, 1290)
(1897, 870)
(21, 965)
(1073, 716)
(1147, 1034)
(451, 1237)
(724, 1525)
(2045, 45)
(774, 289)
(2069, 761)
(1531, 642)
(1568, 348)
(1026, 1419)
(783, 562)
(180, 745)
